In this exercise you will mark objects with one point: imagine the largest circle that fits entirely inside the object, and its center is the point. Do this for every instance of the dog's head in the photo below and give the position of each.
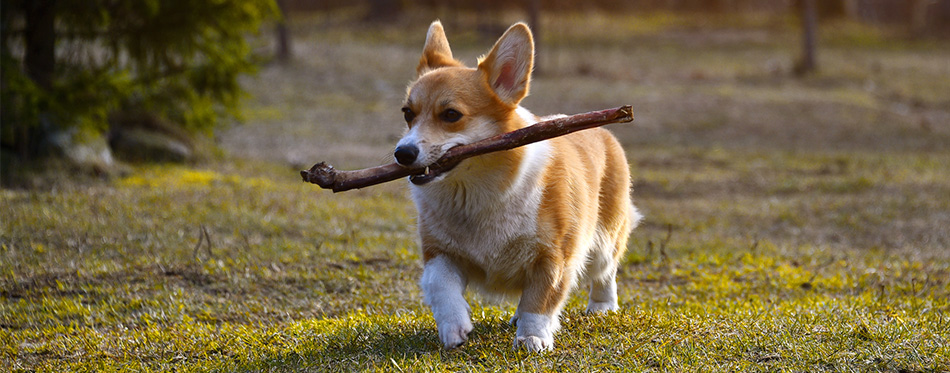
(450, 104)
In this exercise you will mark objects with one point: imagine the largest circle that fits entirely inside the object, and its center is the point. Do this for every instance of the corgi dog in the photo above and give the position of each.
(527, 223)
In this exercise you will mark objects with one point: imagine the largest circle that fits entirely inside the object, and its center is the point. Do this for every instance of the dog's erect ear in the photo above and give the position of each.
(436, 52)
(508, 66)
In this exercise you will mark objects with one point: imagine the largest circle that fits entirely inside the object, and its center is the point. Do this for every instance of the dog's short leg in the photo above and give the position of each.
(443, 285)
(540, 306)
(602, 272)
(603, 293)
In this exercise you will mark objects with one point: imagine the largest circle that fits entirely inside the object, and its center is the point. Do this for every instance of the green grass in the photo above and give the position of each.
(792, 225)
(107, 276)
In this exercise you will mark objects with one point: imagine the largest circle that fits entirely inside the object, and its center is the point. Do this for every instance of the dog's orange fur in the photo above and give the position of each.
(528, 221)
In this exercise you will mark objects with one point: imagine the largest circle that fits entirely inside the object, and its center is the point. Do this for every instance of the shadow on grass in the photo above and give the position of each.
(359, 342)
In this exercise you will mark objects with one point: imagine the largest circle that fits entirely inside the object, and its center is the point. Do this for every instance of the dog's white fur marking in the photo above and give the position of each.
(443, 285)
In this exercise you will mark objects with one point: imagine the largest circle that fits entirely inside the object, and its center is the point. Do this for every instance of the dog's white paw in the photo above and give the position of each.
(602, 307)
(534, 344)
(535, 332)
(454, 333)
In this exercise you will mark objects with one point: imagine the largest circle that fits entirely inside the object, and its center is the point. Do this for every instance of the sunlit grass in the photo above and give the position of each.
(295, 278)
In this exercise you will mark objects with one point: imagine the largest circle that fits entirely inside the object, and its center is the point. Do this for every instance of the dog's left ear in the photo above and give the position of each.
(508, 66)
(436, 52)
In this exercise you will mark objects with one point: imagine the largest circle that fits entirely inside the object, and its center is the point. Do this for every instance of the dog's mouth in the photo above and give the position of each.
(431, 173)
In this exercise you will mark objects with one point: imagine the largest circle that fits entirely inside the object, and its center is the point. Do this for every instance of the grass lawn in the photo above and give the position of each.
(791, 224)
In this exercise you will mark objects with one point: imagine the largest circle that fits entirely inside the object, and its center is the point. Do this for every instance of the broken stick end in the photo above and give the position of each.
(321, 174)
(626, 113)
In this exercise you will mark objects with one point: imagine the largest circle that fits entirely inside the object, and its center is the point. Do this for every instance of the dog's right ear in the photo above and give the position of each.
(508, 66)
(436, 53)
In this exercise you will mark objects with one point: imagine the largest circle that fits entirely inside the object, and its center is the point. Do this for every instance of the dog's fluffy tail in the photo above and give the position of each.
(635, 217)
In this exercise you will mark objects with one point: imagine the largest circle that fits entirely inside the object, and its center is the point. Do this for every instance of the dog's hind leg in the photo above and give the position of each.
(602, 273)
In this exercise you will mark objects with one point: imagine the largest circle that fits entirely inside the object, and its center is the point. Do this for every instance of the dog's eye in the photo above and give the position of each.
(408, 114)
(450, 115)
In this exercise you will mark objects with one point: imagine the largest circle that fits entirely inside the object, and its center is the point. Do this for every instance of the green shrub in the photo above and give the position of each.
(177, 60)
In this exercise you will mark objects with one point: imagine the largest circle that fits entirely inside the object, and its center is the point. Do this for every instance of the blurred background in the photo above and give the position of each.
(105, 82)
(811, 89)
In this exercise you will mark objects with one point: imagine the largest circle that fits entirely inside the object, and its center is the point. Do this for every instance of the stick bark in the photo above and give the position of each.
(328, 177)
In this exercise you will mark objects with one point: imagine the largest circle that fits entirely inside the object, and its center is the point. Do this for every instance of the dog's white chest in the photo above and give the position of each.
(484, 234)
(495, 229)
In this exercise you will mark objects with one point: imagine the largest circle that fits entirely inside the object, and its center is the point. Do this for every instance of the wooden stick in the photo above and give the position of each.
(327, 177)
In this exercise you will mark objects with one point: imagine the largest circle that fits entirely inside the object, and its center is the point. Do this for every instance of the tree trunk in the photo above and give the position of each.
(40, 41)
(39, 60)
(918, 18)
(851, 9)
(283, 36)
(384, 10)
(807, 62)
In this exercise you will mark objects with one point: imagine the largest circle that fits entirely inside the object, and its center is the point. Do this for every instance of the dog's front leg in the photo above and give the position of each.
(540, 304)
(443, 285)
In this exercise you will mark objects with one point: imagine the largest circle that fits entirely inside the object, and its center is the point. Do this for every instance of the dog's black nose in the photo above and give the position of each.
(406, 154)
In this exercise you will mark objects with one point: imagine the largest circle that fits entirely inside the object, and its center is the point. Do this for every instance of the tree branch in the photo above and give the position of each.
(328, 177)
